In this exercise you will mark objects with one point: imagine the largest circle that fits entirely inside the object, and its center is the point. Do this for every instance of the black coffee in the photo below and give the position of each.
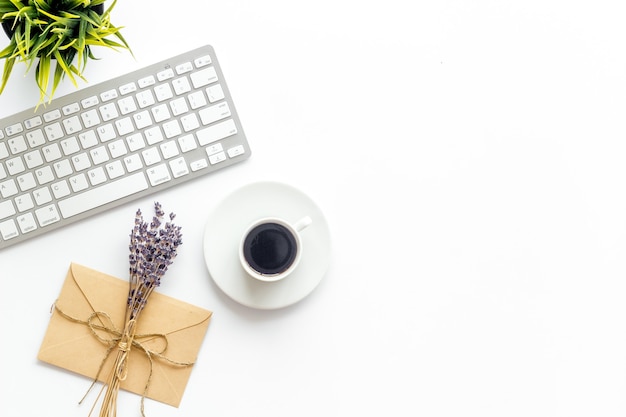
(270, 248)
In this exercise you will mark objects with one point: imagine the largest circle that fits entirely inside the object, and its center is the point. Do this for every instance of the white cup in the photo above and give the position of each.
(271, 248)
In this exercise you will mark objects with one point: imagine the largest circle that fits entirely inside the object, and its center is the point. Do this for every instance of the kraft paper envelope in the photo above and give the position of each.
(72, 345)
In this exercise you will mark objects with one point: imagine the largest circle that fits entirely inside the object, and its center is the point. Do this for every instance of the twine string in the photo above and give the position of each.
(124, 345)
(104, 330)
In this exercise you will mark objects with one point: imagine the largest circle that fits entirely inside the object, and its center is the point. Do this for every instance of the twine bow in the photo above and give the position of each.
(102, 328)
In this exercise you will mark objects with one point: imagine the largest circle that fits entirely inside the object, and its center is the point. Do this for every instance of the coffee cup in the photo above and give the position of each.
(271, 248)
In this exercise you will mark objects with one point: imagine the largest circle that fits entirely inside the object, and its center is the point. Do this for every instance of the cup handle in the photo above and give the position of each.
(302, 223)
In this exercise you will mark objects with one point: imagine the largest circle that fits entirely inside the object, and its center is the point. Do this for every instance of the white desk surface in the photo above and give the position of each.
(469, 157)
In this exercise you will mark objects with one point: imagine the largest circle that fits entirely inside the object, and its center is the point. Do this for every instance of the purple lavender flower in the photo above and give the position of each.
(153, 247)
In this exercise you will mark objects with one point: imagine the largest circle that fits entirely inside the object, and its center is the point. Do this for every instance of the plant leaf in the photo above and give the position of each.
(6, 72)
(42, 75)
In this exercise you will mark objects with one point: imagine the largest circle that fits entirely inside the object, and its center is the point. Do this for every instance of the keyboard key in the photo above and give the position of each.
(216, 132)
(179, 167)
(8, 230)
(78, 183)
(89, 102)
(215, 93)
(214, 113)
(6, 209)
(106, 132)
(196, 100)
(236, 151)
(63, 168)
(203, 61)
(135, 142)
(151, 156)
(158, 174)
(203, 77)
(146, 81)
(166, 74)
(51, 152)
(199, 164)
(99, 196)
(24, 202)
(99, 155)
(145, 99)
(35, 138)
(42, 196)
(53, 131)
(184, 68)
(33, 159)
(15, 166)
(124, 126)
(81, 161)
(217, 158)
(108, 112)
(190, 122)
(128, 88)
(71, 109)
(153, 135)
(88, 139)
(96, 176)
(70, 146)
(52, 115)
(4, 152)
(115, 169)
(160, 113)
(133, 163)
(108, 95)
(26, 222)
(187, 143)
(90, 118)
(47, 215)
(32, 123)
(142, 119)
(163, 92)
(169, 149)
(17, 144)
(117, 149)
(60, 189)
(26, 181)
(127, 105)
(44, 175)
(172, 129)
(181, 86)
(214, 148)
(179, 106)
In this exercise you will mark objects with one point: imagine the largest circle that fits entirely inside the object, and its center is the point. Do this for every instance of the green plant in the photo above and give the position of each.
(57, 33)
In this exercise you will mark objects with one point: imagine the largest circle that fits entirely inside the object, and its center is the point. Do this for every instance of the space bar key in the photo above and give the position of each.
(100, 196)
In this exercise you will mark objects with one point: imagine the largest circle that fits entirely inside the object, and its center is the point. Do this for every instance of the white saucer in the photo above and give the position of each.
(230, 218)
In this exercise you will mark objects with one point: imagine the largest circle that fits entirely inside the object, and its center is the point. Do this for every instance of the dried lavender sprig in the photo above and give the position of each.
(153, 247)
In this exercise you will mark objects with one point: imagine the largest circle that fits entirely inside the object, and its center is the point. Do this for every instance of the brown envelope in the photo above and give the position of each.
(72, 346)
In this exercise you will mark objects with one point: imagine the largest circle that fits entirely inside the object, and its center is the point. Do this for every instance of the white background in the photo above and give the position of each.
(469, 157)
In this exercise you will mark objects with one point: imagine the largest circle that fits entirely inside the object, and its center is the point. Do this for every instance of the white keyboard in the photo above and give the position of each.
(114, 142)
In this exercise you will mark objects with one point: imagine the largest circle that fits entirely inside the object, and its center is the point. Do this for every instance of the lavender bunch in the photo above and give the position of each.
(152, 250)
